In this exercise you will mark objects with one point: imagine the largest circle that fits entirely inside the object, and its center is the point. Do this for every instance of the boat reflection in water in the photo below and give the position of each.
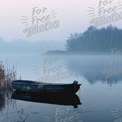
(50, 98)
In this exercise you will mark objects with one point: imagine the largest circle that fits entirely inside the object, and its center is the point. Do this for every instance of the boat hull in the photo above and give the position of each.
(31, 86)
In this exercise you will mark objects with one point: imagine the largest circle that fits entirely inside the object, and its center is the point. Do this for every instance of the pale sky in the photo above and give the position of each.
(72, 14)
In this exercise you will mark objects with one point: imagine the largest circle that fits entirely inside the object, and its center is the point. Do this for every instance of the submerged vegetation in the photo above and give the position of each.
(7, 75)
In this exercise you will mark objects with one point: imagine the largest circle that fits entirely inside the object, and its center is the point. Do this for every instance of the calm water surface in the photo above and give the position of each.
(98, 100)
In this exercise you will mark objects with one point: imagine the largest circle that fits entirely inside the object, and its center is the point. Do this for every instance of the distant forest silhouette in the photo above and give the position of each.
(96, 40)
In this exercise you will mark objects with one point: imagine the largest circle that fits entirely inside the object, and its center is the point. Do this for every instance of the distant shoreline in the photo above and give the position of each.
(63, 52)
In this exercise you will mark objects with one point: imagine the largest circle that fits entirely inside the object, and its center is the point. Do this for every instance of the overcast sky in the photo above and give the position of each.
(72, 14)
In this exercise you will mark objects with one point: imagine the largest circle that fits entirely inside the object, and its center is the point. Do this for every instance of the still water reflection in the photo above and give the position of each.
(98, 100)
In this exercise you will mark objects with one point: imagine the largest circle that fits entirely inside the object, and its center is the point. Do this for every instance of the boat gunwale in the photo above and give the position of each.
(32, 83)
(43, 84)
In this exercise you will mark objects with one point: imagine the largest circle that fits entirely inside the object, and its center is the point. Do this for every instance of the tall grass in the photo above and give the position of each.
(7, 75)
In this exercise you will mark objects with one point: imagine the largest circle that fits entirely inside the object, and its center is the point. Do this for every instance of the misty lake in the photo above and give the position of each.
(98, 100)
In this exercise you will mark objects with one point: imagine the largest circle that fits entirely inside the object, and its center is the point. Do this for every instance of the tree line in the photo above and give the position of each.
(96, 40)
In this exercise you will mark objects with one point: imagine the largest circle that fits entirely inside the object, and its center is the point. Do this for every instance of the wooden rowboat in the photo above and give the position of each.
(33, 86)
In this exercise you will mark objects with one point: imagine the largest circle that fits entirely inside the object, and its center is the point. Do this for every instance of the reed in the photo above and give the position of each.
(7, 75)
